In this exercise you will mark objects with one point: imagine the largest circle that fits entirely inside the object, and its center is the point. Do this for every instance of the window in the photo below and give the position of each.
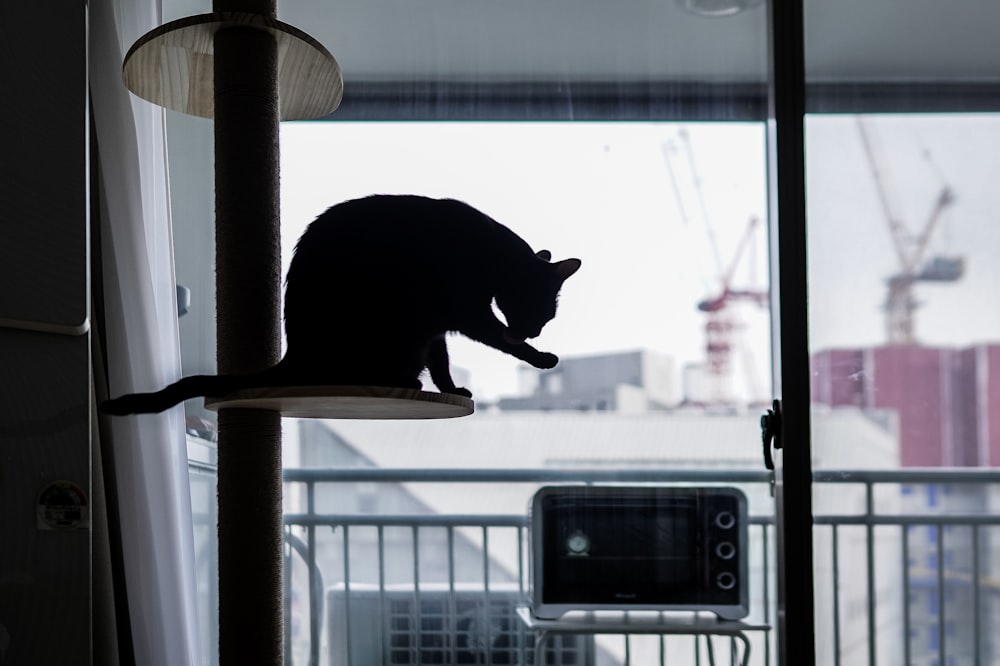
(657, 211)
(606, 153)
(897, 267)
(899, 256)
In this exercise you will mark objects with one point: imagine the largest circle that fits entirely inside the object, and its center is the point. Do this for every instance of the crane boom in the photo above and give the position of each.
(896, 227)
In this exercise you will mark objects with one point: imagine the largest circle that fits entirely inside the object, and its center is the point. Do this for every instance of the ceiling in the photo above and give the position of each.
(854, 41)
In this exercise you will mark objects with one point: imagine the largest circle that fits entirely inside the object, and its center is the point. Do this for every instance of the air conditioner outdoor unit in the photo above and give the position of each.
(436, 624)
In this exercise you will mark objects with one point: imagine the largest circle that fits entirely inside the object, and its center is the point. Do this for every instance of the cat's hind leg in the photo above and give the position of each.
(440, 368)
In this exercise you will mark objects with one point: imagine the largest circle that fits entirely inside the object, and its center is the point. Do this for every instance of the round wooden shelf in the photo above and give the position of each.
(172, 66)
(347, 402)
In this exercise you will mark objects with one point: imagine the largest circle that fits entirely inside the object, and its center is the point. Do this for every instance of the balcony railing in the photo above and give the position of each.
(905, 571)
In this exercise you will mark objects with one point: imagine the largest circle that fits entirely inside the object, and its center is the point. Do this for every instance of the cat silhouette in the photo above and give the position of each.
(375, 285)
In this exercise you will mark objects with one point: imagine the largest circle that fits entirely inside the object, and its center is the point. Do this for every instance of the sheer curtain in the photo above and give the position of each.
(149, 452)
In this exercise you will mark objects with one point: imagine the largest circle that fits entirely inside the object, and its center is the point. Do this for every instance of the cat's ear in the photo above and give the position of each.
(544, 255)
(566, 267)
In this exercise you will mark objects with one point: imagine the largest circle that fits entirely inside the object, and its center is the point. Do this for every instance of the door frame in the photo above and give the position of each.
(795, 613)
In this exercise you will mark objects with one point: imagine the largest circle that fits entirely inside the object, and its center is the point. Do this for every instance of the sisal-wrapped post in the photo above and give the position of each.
(248, 289)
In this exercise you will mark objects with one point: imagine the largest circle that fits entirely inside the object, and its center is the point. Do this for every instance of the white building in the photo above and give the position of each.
(629, 382)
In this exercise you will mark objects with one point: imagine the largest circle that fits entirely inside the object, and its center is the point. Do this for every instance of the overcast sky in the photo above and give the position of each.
(603, 192)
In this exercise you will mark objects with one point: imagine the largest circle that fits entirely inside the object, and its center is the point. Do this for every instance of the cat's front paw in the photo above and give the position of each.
(545, 361)
(458, 390)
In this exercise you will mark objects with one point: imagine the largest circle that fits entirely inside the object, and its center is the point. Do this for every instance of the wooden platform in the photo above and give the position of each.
(347, 402)
(173, 66)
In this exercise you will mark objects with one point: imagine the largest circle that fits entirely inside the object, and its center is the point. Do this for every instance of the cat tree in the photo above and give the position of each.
(247, 70)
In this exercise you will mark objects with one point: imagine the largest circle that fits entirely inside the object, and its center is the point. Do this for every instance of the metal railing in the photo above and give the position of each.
(903, 559)
(954, 579)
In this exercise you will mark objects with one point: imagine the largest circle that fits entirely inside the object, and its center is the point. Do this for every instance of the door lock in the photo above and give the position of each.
(770, 432)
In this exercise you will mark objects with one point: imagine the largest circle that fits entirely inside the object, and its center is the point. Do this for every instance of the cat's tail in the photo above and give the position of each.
(179, 391)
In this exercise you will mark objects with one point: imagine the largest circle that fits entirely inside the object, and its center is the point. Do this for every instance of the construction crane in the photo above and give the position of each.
(721, 324)
(900, 303)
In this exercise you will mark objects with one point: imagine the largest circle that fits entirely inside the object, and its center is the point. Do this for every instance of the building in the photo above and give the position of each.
(946, 398)
(629, 382)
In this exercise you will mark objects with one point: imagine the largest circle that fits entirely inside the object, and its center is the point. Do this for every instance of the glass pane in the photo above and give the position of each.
(650, 167)
(662, 335)
(903, 332)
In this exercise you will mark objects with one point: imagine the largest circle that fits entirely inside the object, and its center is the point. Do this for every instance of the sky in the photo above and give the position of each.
(627, 200)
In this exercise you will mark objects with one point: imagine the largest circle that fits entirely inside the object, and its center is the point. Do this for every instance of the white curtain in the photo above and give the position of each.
(142, 344)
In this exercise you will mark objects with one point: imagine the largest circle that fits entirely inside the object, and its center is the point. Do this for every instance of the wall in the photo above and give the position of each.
(45, 386)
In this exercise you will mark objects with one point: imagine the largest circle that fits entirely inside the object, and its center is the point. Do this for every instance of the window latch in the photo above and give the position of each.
(770, 432)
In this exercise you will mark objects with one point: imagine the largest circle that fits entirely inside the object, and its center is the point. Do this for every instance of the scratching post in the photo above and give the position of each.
(250, 581)
(248, 285)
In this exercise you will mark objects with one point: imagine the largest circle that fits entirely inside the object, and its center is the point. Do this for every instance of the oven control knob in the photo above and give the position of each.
(725, 581)
(725, 550)
(578, 543)
(725, 519)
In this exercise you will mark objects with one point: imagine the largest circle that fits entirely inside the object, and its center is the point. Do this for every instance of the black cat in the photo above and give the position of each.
(374, 286)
